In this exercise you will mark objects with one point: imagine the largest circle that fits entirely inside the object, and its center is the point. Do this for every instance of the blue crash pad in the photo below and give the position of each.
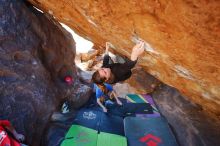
(89, 118)
(112, 124)
(148, 132)
(143, 98)
(128, 109)
(138, 108)
(100, 121)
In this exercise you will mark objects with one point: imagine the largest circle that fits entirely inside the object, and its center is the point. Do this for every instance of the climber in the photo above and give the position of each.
(105, 95)
(5, 139)
(115, 72)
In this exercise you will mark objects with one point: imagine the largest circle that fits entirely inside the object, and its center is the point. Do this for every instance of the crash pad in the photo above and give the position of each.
(143, 98)
(107, 139)
(111, 124)
(138, 108)
(80, 136)
(128, 109)
(89, 118)
(148, 131)
(100, 121)
(136, 98)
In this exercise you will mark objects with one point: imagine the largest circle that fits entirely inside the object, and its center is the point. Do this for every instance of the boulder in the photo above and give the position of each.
(35, 53)
(182, 38)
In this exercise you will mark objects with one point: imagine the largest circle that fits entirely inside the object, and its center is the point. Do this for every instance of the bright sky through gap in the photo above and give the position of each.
(82, 45)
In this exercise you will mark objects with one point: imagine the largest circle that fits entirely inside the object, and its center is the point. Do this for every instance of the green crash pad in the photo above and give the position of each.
(106, 139)
(80, 136)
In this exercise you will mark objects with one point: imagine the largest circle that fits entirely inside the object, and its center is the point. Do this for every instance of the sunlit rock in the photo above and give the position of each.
(182, 38)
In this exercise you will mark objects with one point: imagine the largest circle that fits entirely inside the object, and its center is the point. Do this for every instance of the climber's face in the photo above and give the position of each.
(104, 72)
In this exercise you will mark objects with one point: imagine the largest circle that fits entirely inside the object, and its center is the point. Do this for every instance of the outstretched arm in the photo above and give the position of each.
(107, 59)
(107, 46)
(137, 50)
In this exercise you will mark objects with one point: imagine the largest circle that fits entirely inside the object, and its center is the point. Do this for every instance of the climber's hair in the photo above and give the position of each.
(99, 81)
(96, 78)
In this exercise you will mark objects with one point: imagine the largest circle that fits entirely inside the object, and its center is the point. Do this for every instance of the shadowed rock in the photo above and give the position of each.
(182, 38)
(33, 50)
(193, 125)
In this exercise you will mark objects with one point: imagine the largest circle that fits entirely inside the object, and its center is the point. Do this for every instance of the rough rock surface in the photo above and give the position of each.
(193, 126)
(87, 56)
(139, 83)
(142, 81)
(35, 53)
(183, 37)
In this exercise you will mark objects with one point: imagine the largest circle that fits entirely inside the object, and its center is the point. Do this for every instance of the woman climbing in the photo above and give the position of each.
(115, 72)
(105, 95)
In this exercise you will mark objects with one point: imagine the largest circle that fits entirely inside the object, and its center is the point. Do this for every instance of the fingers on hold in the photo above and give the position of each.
(142, 45)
